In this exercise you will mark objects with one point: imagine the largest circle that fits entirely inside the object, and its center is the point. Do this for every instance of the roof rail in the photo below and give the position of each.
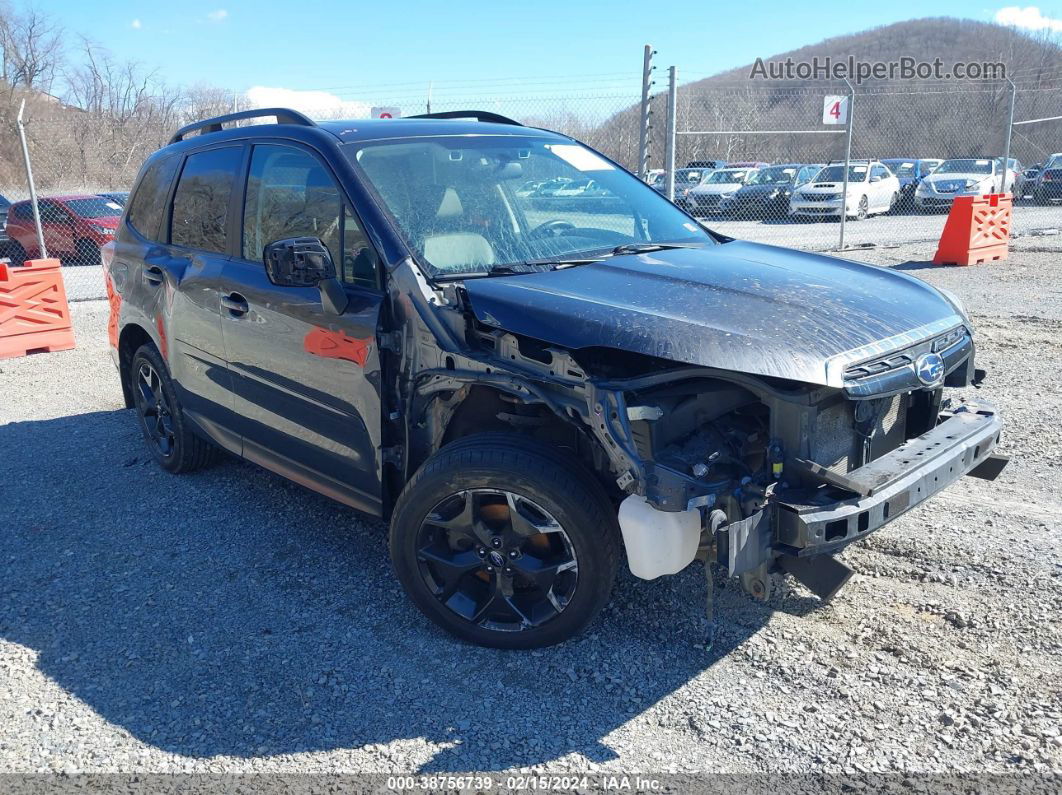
(283, 116)
(478, 115)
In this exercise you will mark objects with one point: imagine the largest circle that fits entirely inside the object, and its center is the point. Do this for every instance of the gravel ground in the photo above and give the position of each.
(231, 621)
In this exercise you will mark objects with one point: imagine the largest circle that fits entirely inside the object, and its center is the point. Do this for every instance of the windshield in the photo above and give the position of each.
(454, 199)
(725, 177)
(777, 175)
(94, 208)
(688, 176)
(836, 174)
(964, 167)
(905, 168)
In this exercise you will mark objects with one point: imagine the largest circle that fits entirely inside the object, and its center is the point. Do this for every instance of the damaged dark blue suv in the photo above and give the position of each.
(527, 387)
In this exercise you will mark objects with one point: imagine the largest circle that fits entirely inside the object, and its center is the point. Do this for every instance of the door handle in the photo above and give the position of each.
(153, 275)
(235, 303)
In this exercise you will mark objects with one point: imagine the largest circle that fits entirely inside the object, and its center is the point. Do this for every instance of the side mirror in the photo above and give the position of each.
(298, 262)
(306, 262)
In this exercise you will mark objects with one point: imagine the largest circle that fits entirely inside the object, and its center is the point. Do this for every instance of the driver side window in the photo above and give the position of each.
(291, 194)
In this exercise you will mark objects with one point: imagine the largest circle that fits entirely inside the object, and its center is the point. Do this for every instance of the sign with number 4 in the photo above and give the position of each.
(835, 110)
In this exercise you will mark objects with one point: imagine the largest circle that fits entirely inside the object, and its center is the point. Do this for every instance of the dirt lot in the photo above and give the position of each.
(229, 620)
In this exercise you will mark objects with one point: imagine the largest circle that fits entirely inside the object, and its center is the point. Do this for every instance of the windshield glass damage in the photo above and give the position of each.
(462, 206)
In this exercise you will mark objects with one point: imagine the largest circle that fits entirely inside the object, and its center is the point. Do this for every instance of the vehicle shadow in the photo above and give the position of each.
(915, 265)
(232, 613)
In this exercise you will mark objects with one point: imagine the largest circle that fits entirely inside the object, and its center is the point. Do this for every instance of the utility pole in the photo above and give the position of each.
(847, 160)
(672, 107)
(43, 253)
(644, 121)
(429, 96)
(1006, 142)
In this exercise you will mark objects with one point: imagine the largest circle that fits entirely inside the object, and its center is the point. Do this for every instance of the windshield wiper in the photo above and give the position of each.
(538, 265)
(561, 262)
(640, 248)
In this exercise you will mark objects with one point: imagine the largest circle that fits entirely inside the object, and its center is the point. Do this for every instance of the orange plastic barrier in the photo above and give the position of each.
(34, 316)
(977, 230)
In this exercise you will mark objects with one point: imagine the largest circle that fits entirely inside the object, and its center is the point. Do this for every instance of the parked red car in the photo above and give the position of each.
(75, 227)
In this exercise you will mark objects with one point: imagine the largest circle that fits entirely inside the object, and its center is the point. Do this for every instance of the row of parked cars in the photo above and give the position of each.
(75, 226)
(810, 190)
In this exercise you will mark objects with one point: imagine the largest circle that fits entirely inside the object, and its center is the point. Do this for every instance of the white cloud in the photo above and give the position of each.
(136, 24)
(1028, 18)
(218, 16)
(318, 104)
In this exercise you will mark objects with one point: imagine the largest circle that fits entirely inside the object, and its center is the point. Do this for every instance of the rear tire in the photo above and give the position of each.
(501, 500)
(173, 445)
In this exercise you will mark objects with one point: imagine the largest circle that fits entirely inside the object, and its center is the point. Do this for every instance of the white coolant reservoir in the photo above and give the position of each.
(658, 542)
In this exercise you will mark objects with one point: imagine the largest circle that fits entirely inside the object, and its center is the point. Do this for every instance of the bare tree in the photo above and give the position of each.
(31, 49)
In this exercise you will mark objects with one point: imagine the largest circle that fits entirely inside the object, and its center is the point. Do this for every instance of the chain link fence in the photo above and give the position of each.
(757, 163)
(911, 152)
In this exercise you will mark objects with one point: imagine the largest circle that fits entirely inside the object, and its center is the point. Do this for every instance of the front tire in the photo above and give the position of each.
(173, 445)
(504, 542)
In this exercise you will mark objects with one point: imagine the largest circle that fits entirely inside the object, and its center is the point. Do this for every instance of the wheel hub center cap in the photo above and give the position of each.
(496, 558)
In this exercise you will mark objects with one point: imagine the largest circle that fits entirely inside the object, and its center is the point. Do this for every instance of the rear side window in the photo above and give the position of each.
(148, 205)
(201, 202)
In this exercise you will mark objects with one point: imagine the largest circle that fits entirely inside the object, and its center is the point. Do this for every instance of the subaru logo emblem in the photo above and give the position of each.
(496, 558)
(929, 368)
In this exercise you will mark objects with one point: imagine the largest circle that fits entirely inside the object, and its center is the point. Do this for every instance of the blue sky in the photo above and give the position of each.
(378, 51)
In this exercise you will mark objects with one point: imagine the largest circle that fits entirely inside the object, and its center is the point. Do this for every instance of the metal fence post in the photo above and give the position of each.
(643, 122)
(1006, 140)
(847, 160)
(672, 114)
(29, 179)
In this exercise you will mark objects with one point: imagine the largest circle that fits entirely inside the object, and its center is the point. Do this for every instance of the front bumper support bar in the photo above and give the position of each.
(826, 519)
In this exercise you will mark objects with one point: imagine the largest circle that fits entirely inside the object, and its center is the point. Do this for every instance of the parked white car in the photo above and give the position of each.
(576, 188)
(715, 188)
(872, 189)
(969, 176)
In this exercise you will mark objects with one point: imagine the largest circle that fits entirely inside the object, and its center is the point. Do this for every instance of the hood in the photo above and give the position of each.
(716, 188)
(934, 179)
(107, 221)
(829, 187)
(762, 190)
(737, 306)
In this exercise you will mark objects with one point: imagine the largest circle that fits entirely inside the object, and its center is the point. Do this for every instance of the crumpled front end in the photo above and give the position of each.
(778, 474)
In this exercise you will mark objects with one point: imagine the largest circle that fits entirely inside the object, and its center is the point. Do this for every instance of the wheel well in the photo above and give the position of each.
(130, 340)
(485, 408)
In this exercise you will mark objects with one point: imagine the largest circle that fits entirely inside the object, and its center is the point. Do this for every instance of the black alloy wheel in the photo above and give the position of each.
(173, 445)
(497, 560)
(506, 541)
(154, 409)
